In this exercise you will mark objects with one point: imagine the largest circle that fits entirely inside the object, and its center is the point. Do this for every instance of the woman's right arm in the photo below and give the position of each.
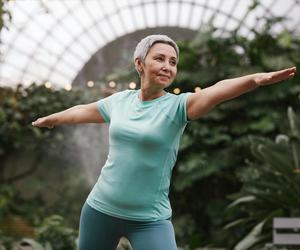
(86, 113)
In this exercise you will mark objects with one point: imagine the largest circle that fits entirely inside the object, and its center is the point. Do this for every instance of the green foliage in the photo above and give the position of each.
(55, 232)
(5, 241)
(27, 191)
(52, 232)
(18, 108)
(6, 196)
(10, 204)
(270, 186)
(217, 144)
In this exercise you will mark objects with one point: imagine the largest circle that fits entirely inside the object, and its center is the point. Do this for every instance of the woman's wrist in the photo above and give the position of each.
(259, 79)
(53, 120)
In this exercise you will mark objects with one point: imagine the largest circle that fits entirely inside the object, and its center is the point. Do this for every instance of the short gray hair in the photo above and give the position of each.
(143, 47)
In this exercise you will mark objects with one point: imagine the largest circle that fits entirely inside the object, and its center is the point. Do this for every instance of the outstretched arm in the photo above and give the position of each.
(198, 104)
(87, 113)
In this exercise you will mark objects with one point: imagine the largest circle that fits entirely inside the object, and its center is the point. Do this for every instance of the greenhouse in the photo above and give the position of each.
(232, 177)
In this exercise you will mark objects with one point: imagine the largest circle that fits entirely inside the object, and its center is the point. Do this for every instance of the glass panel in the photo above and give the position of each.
(185, 12)
(173, 13)
(94, 8)
(9, 72)
(139, 17)
(46, 57)
(64, 69)
(17, 58)
(128, 18)
(59, 80)
(117, 24)
(35, 31)
(105, 28)
(25, 43)
(150, 14)
(8, 35)
(161, 14)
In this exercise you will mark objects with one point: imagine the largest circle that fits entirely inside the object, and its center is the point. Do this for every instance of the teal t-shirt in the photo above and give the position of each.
(144, 138)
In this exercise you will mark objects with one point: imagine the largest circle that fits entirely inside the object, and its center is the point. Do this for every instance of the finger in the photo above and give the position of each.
(286, 71)
(286, 75)
(36, 123)
(292, 69)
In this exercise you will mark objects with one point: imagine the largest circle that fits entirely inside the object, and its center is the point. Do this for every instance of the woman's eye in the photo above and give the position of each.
(159, 58)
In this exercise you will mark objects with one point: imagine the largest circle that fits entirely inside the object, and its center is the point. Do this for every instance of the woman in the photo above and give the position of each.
(130, 197)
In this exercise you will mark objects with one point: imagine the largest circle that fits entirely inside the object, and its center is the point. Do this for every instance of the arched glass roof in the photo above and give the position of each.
(52, 40)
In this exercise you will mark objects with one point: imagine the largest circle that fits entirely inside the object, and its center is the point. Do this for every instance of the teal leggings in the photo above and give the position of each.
(98, 231)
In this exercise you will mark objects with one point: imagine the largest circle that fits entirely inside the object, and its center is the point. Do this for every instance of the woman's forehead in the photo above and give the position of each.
(163, 48)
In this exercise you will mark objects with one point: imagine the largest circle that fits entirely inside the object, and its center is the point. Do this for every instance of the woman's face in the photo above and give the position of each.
(160, 65)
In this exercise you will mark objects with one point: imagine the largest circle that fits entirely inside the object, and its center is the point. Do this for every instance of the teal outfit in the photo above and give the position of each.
(144, 138)
(99, 231)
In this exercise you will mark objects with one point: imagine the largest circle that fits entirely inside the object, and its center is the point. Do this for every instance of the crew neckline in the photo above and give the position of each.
(150, 101)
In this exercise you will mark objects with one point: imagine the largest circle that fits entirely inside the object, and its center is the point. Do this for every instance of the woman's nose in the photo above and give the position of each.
(165, 67)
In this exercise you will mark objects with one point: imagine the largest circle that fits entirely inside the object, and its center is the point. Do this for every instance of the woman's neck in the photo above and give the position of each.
(147, 94)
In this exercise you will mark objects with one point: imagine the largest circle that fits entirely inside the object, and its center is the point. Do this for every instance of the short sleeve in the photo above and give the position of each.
(105, 106)
(181, 112)
(175, 108)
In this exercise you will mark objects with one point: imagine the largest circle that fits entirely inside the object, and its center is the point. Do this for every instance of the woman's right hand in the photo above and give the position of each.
(42, 123)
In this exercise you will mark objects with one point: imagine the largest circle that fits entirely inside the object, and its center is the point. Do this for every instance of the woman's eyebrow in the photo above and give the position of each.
(160, 54)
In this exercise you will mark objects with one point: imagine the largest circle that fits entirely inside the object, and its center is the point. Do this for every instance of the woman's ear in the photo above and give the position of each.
(138, 65)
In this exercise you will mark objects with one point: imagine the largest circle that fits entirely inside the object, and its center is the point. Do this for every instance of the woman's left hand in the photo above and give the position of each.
(262, 79)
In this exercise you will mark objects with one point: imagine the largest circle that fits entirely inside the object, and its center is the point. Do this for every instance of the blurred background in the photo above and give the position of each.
(238, 167)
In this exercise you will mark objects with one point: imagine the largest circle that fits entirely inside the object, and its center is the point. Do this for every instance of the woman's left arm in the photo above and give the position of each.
(201, 102)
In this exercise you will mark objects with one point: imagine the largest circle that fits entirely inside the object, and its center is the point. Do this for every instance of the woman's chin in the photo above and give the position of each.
(163, 82)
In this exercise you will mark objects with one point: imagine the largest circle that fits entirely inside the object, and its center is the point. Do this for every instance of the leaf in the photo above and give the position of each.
(237, 222)
(276, 155)
(251, 238)
(241, 200)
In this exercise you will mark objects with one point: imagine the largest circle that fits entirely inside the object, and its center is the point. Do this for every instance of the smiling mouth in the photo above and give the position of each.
(164, 76)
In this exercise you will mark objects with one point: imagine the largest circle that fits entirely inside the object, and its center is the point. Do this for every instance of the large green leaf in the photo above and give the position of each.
(252, 238)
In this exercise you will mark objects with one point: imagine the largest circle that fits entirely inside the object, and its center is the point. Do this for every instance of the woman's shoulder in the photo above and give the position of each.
(174, 107)
(176, 97)
(128, 91)
(127, 94)
(123, 93)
